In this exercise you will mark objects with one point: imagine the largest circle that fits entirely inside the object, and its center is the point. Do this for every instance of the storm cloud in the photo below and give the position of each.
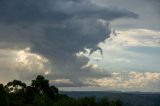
(59, 30)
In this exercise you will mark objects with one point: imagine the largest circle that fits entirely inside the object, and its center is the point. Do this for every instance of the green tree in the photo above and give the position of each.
(3, 96)
(87, 101)
(16, 91)
(15, 86)
(40, 84)
(116, 102)
(52, 92)
(104, 102)
(42, 100)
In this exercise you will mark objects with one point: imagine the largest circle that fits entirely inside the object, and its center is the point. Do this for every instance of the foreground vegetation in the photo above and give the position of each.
(40, 93)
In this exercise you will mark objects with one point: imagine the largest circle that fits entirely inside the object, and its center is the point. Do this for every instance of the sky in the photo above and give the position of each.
(88, 45)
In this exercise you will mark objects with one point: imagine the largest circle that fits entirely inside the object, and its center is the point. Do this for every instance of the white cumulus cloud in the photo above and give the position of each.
(135, 37)
(128, 80)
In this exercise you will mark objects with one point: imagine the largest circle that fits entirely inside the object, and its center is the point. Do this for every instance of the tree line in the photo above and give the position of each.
(40, 93)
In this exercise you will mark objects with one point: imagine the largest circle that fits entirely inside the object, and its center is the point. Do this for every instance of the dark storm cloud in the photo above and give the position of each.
(24, 11)
(58, 29)
(155, 4)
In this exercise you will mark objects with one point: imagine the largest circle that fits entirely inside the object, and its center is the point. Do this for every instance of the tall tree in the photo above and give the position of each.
(40, 84)
(3, 96)
(15, 86)
(52, 92)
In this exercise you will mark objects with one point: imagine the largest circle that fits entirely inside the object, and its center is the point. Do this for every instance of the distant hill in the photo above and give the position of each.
(128, 98)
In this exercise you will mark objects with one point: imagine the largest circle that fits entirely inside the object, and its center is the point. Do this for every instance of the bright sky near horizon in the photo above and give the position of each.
(82, 44)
